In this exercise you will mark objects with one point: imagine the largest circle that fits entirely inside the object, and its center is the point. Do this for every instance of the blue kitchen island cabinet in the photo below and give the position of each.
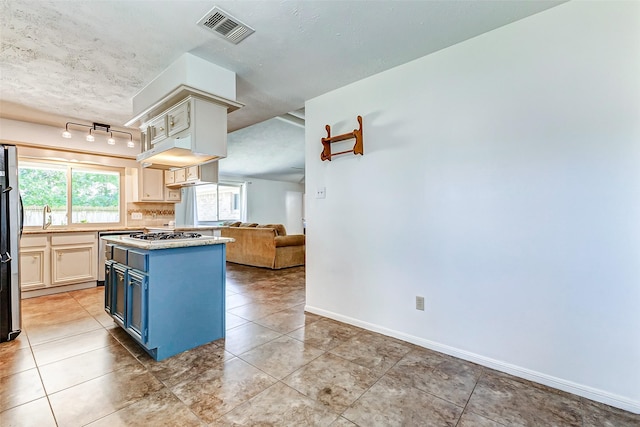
(168, 296)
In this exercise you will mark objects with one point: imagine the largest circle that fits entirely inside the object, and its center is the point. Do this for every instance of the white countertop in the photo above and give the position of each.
(167, 244)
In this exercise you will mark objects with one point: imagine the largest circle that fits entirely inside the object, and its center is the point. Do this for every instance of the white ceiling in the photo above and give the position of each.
(84, 60)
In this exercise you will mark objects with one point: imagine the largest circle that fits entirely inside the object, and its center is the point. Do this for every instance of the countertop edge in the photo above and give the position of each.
(168, 244)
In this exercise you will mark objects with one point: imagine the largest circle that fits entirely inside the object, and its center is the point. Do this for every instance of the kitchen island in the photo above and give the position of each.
(169, 295)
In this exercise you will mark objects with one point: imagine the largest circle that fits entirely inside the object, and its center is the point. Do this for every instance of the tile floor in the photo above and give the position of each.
(277, 366)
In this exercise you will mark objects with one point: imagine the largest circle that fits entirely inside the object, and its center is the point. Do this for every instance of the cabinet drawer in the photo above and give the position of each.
(73, 238)
(138, 260)
(120, 255)
(33, 241)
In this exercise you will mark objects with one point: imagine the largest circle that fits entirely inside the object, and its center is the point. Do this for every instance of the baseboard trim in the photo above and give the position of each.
(32, 293)
(518, 371)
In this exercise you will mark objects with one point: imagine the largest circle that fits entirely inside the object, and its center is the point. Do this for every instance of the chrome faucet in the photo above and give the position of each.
(46, 210)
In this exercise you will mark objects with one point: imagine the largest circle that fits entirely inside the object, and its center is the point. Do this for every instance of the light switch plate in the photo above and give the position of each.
(321, 192)
(136, 215)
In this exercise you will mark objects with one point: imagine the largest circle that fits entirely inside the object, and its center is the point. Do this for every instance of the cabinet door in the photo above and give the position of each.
(169, 177)
(193, 173)
(32, 268)
(73, 263)
(108, 286)
(118, 309)
(178, 118)
(151, 185)
(180, 175)
(136, 318)
(157, 130)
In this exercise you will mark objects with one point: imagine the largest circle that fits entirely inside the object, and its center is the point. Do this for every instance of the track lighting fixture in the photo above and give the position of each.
(101, 127)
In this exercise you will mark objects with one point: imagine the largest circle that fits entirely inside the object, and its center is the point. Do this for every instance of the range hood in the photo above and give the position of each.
(190, 132)
(183, 121)
(174, 152)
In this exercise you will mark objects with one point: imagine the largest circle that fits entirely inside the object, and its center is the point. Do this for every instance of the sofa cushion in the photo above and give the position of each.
(292, 240)
(249, 224)
(280, 230)
(233, 224)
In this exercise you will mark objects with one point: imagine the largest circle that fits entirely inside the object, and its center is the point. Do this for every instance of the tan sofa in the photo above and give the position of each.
(264, 245)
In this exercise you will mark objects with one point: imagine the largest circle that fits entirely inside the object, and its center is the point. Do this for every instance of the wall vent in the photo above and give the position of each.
(226, 26)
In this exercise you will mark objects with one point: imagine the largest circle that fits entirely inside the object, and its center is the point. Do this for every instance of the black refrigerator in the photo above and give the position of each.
(10, 232)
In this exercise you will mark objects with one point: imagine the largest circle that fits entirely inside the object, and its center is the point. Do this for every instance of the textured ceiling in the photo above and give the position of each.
(85, 60)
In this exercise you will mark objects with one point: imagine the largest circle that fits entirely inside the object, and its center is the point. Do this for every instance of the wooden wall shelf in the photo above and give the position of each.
(358, 148)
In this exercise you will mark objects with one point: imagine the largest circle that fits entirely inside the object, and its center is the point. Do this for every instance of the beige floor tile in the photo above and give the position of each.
(20, 388)
(36, 413)
(14, 360)
(237, 300)
(600, 415)
(281, 356)
(512, 402)
(342, 422)
(256, 310)
(48, 332)
(288, 320)
(77, 369)
(51, 309)
(373, 351)
(441, 375)
(325, 333)
(233, 321)
(218, 391)
(279, 405)
(390, 403)
(189, 364)
(89, 297)
(333, 381)
(71, 346)
(245, 337)
(159, 409)
(469, 419)
(94, 399)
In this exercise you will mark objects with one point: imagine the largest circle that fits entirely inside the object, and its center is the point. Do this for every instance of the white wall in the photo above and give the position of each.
(268, 202)
(501, 181)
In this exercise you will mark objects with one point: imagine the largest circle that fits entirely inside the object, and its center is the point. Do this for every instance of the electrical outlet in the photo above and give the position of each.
(136, 215)
(420, 303)
(321, 192)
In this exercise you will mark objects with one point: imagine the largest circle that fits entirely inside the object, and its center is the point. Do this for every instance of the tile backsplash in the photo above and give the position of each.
(153, 214)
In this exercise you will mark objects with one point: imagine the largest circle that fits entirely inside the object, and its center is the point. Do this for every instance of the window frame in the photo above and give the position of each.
(85, 167)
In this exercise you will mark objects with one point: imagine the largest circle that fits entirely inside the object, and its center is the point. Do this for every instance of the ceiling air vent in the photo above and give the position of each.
(225, 25)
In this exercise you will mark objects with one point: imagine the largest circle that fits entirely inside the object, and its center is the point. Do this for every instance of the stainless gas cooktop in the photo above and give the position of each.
(165, 236)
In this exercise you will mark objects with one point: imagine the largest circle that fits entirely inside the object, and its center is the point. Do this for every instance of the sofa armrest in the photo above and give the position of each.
(290, 240)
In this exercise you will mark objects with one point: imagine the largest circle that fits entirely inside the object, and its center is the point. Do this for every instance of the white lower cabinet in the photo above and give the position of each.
(48, 261)
(34, 262)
